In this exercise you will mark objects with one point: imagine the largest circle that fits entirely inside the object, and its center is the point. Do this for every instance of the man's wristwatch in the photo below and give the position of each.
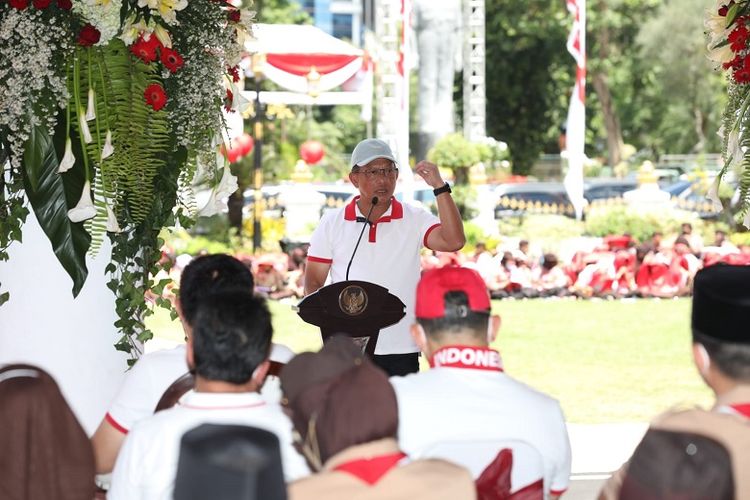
(445, 188)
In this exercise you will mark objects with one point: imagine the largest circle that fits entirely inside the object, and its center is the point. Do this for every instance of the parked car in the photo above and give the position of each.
(515, 199)
(602, 189)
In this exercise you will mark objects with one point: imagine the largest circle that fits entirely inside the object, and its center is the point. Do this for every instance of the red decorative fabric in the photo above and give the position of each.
(494, 481)
(302, 64)
(370, 470)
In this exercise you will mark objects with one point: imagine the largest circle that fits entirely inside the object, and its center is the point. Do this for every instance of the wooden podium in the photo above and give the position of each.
(356, 309)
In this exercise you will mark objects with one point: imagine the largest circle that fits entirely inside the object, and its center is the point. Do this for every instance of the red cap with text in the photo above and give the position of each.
(436, 283)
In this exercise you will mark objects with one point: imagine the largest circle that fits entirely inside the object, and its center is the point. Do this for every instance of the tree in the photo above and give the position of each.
(613, 26)
(691, 92)
(527, 71)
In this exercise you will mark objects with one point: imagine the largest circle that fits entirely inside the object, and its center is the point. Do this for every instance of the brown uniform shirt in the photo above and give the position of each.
(728, 428)
(418, 480)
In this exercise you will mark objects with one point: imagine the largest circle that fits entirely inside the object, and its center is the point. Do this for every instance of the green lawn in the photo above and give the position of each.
(605, 361)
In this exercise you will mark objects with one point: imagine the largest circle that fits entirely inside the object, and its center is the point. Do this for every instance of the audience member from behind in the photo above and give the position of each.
(145, 383)
(228, 350)
(721, 351)
(45, 451)
(344, 411)
(466, 396)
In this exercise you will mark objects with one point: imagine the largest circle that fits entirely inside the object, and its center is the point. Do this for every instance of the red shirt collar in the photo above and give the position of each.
(397, 211)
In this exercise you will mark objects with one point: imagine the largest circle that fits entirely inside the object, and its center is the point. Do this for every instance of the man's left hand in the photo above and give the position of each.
(430, 173)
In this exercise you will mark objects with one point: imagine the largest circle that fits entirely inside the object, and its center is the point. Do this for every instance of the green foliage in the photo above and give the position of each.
(684, 100)
(46, 193)
(602, 221)
(475, 234)
(456, 153)
(278, 11)
(12, 210)
(544, 230)
(529, 75)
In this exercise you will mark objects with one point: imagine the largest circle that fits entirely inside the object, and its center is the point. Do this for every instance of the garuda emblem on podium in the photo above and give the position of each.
(353, 300)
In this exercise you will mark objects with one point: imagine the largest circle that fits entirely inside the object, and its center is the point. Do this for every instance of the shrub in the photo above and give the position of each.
(602, 221)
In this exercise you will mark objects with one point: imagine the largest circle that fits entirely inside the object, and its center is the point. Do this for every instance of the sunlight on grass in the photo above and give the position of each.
(605, 361)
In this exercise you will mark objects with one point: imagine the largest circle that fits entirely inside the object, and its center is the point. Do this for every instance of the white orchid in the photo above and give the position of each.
(112, 225)
(91, 108)
(84, 127)
(68, 159)
(163, 36)
(85, 208)
(108, 149)
(216, 202)
(713, 194)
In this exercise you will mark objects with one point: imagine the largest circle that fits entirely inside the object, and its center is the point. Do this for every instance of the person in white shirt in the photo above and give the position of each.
(466, 397)
(145, 383)
(388, 255)
(228, 352)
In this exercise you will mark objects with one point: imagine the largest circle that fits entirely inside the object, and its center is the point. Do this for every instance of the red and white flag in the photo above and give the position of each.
(575, 134)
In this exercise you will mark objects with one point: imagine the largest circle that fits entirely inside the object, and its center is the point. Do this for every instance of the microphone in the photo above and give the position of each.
(367, 222)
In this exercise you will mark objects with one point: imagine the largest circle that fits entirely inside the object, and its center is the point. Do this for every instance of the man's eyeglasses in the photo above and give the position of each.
(378, 172)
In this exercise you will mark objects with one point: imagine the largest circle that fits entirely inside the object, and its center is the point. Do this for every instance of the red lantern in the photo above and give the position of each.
(245, 144)
(312, 152)
(232, 153)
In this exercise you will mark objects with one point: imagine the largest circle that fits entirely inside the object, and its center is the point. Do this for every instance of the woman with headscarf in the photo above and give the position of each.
(45, 453)
(344, 412)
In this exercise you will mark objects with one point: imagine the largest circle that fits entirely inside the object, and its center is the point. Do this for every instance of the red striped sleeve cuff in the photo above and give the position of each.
(109, 418)
(427, 234)
(312, 258)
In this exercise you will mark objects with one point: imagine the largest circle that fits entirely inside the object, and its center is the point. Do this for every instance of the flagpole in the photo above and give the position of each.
(575, 139)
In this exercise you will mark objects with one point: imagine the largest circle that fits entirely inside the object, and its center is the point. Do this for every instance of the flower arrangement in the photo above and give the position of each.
(728, 29)
(111, 111)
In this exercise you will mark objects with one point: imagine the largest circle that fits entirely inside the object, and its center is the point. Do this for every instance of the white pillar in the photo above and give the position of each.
(71, 339)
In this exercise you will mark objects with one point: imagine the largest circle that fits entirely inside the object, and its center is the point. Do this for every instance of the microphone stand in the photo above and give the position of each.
(367, 222)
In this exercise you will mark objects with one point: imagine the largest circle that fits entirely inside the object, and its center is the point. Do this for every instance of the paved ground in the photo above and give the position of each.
(598, 450)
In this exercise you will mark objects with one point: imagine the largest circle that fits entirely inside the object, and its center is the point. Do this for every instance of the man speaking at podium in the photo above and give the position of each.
(388, 255)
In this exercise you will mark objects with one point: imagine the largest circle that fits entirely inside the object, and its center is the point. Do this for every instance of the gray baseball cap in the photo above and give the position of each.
(371, 149)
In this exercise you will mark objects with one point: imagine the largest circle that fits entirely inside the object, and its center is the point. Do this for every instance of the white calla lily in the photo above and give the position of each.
(91, 107)
(746, 221)
(734, 149)
(216, 202)
(112, 225)
(713, 195)
(107, 149)
(239, 102)
(84, 127)
(85, 208)
(68, 159)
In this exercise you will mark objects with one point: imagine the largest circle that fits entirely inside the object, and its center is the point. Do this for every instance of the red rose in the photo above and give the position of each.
(65, 4)
(171, 59)
(41, 4)
(145, 50)
(234, 15)
(155, 96)
(234, 71)
(19, 4)
(88, 36)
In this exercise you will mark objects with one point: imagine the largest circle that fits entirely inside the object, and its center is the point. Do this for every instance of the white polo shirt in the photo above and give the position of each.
(474, 404)
(388, 255)
(147, 464)
(145, 383)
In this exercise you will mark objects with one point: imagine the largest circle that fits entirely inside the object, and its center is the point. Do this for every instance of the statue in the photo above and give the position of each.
(437, 25)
